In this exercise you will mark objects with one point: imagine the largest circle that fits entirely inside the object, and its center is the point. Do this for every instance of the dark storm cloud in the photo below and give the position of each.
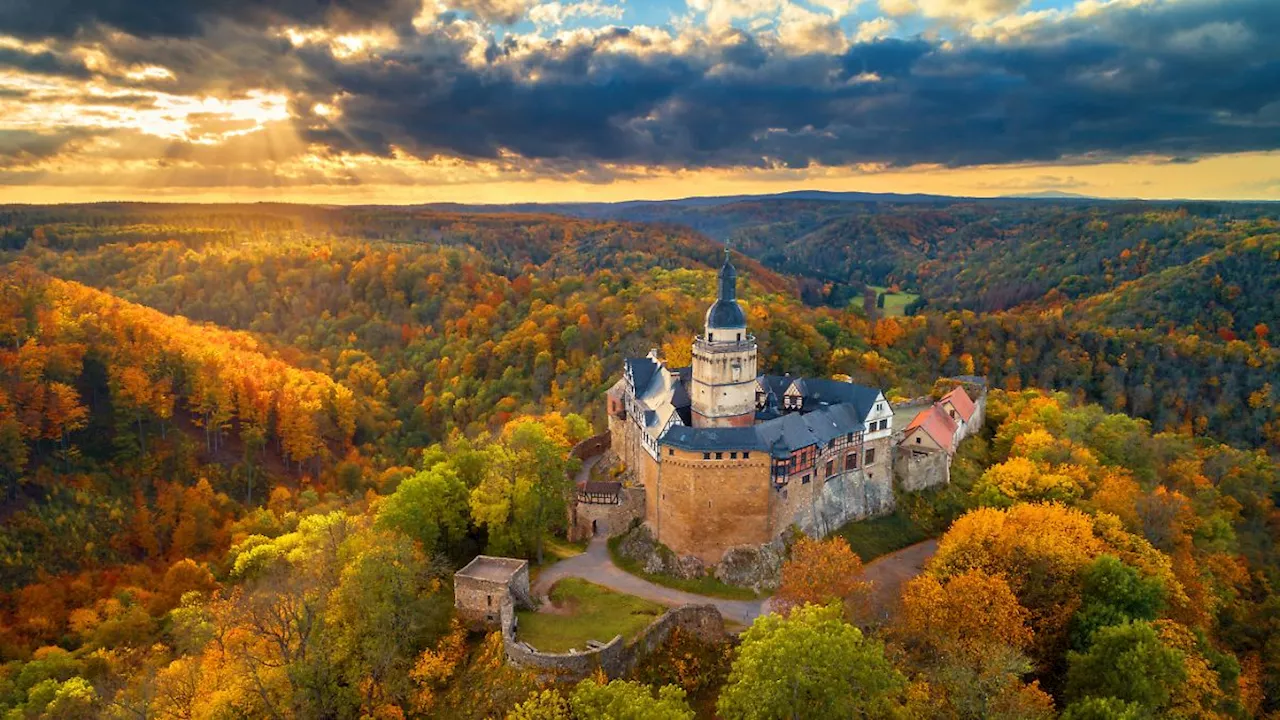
(185, 18)
(1183, 79)
(42, 62)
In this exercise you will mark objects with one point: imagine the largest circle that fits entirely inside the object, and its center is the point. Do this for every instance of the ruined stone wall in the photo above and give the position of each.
(479, 602)
(706, 506)
(917, 471)
(616, 658)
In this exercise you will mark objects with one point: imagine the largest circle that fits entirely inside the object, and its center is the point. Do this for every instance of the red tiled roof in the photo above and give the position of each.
(934, 421)
(960, 399)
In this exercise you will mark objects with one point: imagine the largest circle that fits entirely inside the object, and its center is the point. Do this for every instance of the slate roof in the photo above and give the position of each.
(726, 312)
(789, 432)
(704, 439)
(642, 371)
(821, 393)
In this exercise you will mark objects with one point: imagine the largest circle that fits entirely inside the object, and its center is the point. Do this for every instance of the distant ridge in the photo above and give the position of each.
(590, 208)
(1051, 195)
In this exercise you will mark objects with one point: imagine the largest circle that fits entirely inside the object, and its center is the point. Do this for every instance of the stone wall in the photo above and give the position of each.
(917, 471)
(823, 505)
(592, 446)
(610, 519)
(616, 657)
(706, 506)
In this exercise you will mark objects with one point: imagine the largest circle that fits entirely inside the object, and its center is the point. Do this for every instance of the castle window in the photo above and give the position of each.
(733, 456)
(851, 461)
(746, 456)
(739, 337)
(706, 456)
(719, 456)
(711, 337)
(489, 598)
(805, 480)
(849, 438)
(831, 466)
(871, 456)
(670, 451)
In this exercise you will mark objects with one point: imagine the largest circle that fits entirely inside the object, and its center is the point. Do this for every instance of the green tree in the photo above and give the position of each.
(1127, 662)
(429, 507)
(810, 664)
(1099, 708)
(625, 700)
(543, 705)
(1114, 593)
(386, 610)
(525, 493)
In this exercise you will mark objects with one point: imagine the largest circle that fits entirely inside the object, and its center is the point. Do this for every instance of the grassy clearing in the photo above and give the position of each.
(894, 303)
(560, 549)
(582, 611)
(882, 535)
(706, 585)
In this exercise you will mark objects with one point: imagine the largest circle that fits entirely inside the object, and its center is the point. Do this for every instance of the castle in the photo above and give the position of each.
(728, 457)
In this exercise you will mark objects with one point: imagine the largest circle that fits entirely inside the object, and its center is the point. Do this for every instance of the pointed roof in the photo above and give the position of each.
(726, 312)
(960, 399)
(935, 422)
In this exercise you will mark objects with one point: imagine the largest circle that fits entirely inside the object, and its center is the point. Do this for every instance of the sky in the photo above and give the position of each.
(494, 101)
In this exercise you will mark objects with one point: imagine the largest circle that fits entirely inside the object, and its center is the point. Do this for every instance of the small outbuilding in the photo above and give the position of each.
(488, 588)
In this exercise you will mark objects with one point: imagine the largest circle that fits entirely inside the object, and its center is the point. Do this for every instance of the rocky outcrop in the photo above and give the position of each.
(752, 566)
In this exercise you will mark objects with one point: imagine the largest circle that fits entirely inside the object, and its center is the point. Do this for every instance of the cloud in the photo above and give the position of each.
(1108, 87)
(187, 18)
(969, 10)
(555, 14)
(1184, 79)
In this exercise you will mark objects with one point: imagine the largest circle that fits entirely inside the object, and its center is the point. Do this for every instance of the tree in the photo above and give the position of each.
(1114, 593)
(1127, 662)
(524, 495)
(968, 637)
(385, 610)
(1099, 708)
(820, 572)
(626, 700)
(429, 507)
(810, 664)
(542, 705)
(966, 615)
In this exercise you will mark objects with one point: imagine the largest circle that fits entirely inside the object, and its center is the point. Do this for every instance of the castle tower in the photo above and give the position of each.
(723, 386)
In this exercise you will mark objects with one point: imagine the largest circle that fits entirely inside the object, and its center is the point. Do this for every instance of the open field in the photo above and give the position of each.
(894, 303)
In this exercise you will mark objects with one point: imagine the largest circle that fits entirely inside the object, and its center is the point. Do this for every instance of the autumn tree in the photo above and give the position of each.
(810, 664)
(820, 572)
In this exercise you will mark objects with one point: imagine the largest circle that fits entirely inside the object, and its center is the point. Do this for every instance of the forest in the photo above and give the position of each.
(243, 448)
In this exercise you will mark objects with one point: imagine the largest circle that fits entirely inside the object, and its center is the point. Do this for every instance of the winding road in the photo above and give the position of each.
(886, 575)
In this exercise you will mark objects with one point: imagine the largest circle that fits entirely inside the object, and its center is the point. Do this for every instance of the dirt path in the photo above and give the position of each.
(886, 574)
